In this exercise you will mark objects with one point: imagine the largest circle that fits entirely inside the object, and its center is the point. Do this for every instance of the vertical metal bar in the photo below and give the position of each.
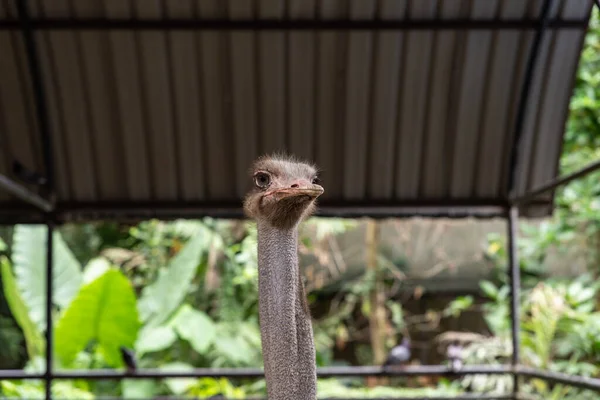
(514, 272)
(48, 376)
(513, 215)
(46, 143)
(38, 92)
(524, 96)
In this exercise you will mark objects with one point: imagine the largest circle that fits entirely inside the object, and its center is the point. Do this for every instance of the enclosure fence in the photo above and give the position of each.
(509, 211)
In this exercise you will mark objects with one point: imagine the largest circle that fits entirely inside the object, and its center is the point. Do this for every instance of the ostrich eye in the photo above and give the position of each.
(262, 180)
(316, 181)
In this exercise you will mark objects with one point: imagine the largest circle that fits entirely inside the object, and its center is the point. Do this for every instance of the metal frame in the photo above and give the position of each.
(169, 210)
(50, 216)
(25, 194)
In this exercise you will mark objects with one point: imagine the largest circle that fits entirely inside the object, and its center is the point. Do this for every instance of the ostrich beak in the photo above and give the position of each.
(311, 192)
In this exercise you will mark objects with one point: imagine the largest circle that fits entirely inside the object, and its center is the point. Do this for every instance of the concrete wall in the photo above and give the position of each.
(441, 255)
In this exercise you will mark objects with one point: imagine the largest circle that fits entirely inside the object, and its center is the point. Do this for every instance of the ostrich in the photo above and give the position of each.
(284, 194)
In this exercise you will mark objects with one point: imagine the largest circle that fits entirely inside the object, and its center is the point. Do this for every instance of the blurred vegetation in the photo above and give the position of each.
(183, 294)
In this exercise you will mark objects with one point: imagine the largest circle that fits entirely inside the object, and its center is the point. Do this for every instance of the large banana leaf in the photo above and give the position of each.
(33, 337)
(104, 311)
(29, 260)
(160, 299)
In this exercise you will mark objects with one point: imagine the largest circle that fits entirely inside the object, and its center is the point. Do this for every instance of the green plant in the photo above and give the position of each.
(558, 332)
(459, 305)
(33, 338)
(29, 261)
(11, 339)
(103, 311)
(162, 297)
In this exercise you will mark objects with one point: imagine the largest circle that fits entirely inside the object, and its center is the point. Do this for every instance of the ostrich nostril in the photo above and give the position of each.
(295, 185)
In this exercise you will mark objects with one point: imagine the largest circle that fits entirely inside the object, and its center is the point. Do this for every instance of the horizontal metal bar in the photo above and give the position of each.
(295, 24)
(557, 377)
(443, 208)
(23, 193)
(140, 210)
(448, 211)
(325, 372)
(555, 183)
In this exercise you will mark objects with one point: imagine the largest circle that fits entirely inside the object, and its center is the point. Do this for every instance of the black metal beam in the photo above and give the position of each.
(565, 379)
(21, 218)
(49, 374)
(424, 370)
(514, 273)
(253, 373)
(295, 24)
(555, 183)
(443, 208)
(25, 25)
(22, 192)
(136, 211)
(409, 211)
(524, 96)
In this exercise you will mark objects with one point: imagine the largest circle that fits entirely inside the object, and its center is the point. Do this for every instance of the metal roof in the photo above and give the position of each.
(162, 105)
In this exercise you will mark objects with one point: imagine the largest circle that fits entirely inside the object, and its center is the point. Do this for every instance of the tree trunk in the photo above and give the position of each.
(377, 315)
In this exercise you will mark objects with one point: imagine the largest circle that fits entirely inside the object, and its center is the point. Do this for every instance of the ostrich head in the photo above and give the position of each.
(284, 191)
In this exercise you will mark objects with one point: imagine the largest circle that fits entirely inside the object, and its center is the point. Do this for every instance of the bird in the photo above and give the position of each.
(284, 193)
(399, 354)
(455, 357)
(26, 175)
(129, 359)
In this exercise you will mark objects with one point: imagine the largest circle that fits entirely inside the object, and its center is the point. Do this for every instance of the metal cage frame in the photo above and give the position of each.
(44, 204)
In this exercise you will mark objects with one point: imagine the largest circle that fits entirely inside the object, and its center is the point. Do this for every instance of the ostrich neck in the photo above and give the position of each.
(285, 324)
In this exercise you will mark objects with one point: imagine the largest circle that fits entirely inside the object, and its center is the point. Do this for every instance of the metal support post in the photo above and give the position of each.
(514, 272)
(48, 375)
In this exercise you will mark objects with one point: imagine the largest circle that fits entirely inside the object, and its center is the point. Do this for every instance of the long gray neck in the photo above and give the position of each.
(285, 324)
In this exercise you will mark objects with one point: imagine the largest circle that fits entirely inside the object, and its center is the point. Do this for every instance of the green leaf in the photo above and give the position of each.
(233, 347)
(95, 268)
(195, 327)
(68, 391)
(160, 299)
(178, 385)
(29, 260)
(139, 388)
(489, 289)
(33, 337)
(3, 245)
(104, 311)
(155, 339)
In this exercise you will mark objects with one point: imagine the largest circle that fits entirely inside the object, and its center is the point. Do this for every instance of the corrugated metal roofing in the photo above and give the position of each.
(158, 117)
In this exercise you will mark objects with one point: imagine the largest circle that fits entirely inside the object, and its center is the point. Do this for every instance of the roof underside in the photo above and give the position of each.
(149, 118)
